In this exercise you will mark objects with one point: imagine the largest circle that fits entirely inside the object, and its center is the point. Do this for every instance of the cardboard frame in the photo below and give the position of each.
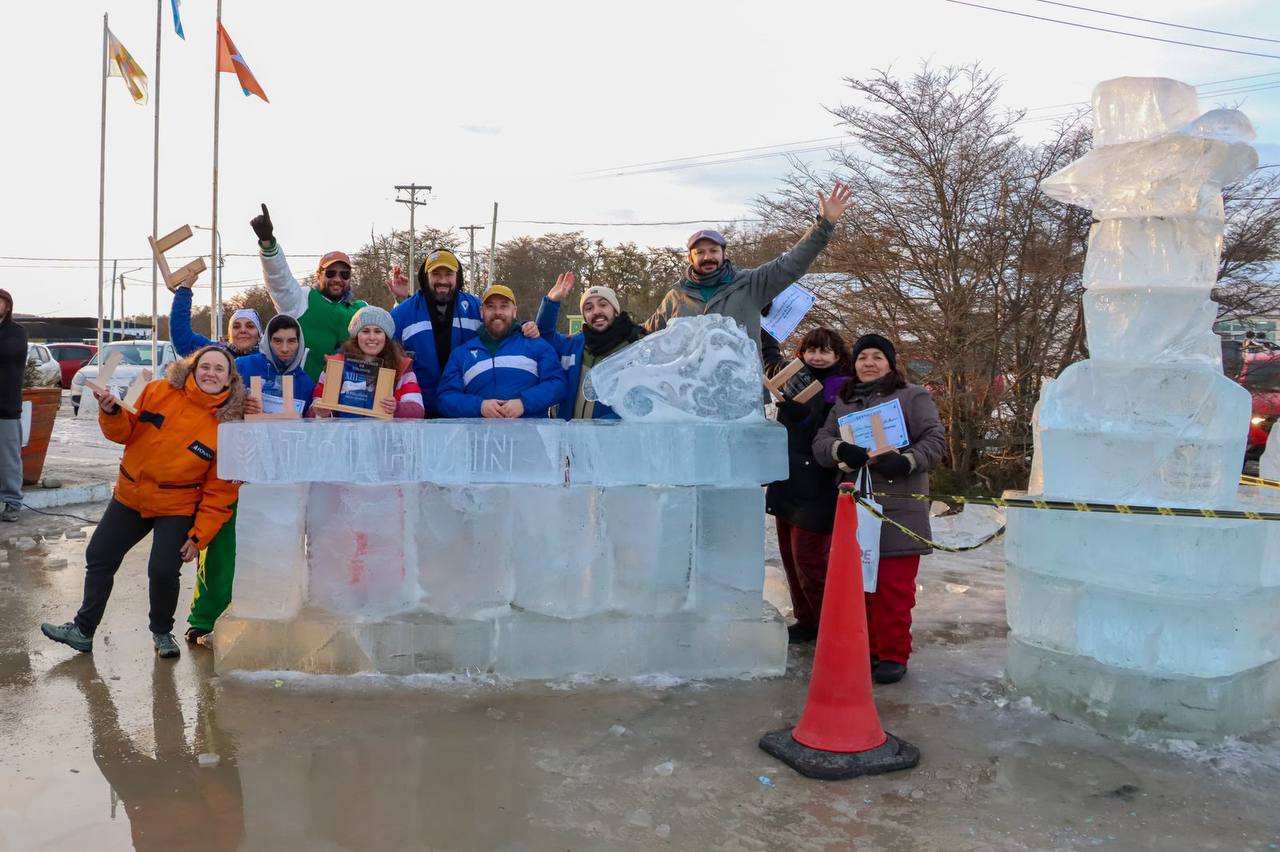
(101, 382)
(287, 412)
(184, 277)
(384, 389)
(780, 379)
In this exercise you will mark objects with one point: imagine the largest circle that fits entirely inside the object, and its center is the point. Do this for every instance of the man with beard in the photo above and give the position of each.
(435, 321)
(500, 372)
(323, 311)
(713, 285)
(606, 329)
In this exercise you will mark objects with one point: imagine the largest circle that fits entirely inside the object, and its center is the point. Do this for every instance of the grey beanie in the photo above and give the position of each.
(372, 315)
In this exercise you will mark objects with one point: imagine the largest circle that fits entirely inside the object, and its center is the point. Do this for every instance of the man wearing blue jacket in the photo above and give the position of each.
(244, 329)
(438, 319)
(282, 352)
(500, 372)
(606, 329)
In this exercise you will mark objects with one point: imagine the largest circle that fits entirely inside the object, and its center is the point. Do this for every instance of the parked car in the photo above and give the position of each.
(71, 357)
(42, 367)
(135, 357)
(1258, 369)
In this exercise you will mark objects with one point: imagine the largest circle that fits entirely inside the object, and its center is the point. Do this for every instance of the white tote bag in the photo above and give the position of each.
(868, 532)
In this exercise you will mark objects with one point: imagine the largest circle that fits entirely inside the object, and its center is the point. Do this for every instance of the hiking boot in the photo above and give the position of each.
(10, 513)
(68, 634)
(800, 634)
(166, 645)
(889, 671)
(195, 633)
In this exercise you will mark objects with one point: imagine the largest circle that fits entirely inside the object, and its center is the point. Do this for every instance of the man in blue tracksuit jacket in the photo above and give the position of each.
(438, 319)
(283, 352)
(606, 330)
(244, 329)
(500, 372)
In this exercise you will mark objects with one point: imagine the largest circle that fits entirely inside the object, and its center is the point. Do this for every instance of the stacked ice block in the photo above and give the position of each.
(1127, 621)
(531, 549)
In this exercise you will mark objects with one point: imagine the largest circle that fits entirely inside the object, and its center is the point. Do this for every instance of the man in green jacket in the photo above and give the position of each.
(713, 285)
(324, 311)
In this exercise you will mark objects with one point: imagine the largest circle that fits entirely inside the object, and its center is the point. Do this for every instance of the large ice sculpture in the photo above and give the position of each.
(1129, 621)
(526, 548)
(697, 368)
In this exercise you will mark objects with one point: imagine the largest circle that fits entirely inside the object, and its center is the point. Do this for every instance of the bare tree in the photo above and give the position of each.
(1248, 284)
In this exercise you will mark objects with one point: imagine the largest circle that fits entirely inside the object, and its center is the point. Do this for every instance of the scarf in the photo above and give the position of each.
(706, 283)
(618, 333)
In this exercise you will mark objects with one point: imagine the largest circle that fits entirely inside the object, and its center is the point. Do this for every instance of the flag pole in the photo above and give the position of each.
(155, 199)
(217, 94)
(102, 179)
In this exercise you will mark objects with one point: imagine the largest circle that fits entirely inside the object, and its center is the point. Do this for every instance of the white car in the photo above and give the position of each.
(41, 360)
(135, 357)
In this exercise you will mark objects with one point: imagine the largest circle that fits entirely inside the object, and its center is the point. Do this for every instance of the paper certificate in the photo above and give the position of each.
(863, 429)
(786, 311)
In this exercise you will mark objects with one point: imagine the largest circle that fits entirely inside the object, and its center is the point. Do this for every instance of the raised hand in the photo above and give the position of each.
(399, 284)
(563, 285)
(833, 206)
(262, 226)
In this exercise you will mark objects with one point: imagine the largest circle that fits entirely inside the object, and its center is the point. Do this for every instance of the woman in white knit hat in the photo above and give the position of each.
(373, 336)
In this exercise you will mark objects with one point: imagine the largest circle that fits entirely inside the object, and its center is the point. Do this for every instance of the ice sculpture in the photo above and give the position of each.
(1126, 621)
(530, 549)
(697, 368)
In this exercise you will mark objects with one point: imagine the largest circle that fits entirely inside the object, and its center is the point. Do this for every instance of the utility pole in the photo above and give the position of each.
(493, 245)
(413, 203)
(471, 255)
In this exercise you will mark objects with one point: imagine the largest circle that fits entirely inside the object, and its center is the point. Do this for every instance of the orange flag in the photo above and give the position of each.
(230, 60)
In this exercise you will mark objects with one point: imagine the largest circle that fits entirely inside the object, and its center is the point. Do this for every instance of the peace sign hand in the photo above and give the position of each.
(563, 286)
(833, 206)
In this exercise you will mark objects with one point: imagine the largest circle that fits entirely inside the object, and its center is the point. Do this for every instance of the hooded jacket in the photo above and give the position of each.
(415, 332)
(170, 464)
(744, 293)
(264, 363)
(185, 339)
(323, 320)
(518, 368)
(577, 363)
(13, 363)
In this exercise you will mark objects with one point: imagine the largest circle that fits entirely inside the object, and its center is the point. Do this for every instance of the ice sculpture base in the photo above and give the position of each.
(1125, 701)
(527, 550)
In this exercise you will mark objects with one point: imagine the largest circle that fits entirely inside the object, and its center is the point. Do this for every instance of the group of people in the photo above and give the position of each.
(456, 354)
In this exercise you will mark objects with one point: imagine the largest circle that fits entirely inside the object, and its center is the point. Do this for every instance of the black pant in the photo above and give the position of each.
(118, 531)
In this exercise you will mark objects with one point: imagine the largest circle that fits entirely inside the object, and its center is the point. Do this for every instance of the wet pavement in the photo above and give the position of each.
(105, 751)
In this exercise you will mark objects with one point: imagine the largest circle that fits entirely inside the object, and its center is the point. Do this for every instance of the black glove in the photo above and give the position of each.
(262, 226)
(851, 454)
(892, 465)
(792, 412)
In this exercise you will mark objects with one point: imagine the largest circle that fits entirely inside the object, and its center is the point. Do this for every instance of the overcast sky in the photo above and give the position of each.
(500, 101)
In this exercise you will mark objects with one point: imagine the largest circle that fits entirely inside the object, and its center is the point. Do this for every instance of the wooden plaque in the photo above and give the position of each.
(101, 382)
(287, 412)
(384, 389)
(780, 379)
(184, 277)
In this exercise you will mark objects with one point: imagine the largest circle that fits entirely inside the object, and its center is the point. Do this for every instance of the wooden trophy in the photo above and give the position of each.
(778, 382)
(880, 438)
(384, 389)
(184, 277)
(101, 382)
(287, 412)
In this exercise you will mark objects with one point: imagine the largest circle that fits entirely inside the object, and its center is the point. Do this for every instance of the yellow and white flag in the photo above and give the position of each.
(121, 64)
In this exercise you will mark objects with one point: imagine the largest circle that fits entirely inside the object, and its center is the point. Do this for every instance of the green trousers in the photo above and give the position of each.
(215, 576)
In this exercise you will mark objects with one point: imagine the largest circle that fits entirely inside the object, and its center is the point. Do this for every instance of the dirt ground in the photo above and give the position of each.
(105, 751)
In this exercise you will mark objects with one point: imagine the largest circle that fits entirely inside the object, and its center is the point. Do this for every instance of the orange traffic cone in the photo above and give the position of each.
(839, 735)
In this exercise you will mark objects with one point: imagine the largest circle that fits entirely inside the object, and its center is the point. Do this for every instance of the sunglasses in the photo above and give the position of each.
(345, 273)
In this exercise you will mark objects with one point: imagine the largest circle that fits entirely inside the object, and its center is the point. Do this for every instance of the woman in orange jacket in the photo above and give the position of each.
(168, 487)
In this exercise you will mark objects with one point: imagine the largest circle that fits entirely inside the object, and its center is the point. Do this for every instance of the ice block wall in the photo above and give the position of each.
(530, 549)
(1127, 621)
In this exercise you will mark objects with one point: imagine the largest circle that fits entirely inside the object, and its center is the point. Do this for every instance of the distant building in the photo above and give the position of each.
(1265, 327)
(79, 329)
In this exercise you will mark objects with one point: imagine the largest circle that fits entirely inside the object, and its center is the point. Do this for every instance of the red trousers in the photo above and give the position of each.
(804, 557)
(889, 608)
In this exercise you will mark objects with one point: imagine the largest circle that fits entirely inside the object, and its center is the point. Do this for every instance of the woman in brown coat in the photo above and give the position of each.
(877, 380)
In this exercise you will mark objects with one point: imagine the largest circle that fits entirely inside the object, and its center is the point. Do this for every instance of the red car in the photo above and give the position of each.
(71, 357)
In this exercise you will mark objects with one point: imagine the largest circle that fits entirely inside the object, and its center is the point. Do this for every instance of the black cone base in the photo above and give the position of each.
(895, 754)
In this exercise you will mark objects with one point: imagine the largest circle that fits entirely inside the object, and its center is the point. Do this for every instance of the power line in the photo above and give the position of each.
(627, 224)
(1154, 21)
(716, 154)
(1115, 32)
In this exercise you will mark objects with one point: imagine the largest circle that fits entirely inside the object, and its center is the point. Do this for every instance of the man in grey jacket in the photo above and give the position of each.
(713, 285)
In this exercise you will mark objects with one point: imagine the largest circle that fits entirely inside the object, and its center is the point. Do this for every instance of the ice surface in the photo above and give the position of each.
(651, 535)
(271, 559)
(1269, 466)
(532, 452)
(465, 564)
(1134, 620)
(702, 368)
(730, 574)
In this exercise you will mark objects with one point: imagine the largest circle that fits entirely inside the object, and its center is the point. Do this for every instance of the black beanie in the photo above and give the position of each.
(876, 341)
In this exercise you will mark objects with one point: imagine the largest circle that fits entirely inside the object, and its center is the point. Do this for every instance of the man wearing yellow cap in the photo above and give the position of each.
(501, 373)
(435, 321)
(323, 311)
